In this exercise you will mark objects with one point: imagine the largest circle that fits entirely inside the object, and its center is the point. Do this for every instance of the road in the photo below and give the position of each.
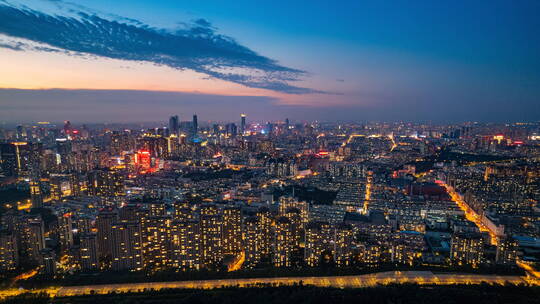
(472, 216)
(367, 280)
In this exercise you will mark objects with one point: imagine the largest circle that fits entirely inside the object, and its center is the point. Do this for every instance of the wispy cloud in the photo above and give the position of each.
(195, 46)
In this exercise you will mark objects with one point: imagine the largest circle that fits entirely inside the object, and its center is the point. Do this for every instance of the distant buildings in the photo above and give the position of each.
(223, 197)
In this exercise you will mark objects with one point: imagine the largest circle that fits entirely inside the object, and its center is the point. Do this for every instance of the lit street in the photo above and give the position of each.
(418, 277)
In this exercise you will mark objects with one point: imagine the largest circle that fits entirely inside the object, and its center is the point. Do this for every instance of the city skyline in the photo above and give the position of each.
(269, 151)
(321, 200)
(368, 61)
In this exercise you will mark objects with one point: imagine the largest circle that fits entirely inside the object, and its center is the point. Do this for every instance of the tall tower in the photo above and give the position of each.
(185, 244)
(35, 192)
(195, 124)
(89, 251)
(173, 125)
(9, 159)
(232, 231)
(283, 244)
(242, 124)
(269, 128)
(32, 237)
(63, 148)
(9, 253)
(127, 248)
(67, 127)
(104, 222)
(34, 160)
(65, 231)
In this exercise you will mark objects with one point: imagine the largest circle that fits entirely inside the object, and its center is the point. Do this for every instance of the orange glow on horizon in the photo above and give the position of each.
(60, 71)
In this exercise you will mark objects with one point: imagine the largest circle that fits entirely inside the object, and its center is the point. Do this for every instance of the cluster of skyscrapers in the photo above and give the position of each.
(221, 197)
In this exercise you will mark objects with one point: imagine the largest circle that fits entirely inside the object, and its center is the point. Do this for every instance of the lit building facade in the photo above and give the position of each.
(467, 249)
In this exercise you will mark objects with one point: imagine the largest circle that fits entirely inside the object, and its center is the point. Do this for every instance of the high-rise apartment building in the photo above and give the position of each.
(232, 231)
(283, 242)
(104, 222)
(467, 249)
(127, 251)
(211, 240)
(89, 252)
(185, 244)
(319, 243)
(9, 253)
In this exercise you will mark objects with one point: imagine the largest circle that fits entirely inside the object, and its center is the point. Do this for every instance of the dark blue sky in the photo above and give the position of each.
(353, 60)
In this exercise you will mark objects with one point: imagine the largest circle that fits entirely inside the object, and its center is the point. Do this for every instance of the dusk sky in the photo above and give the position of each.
(136, 60)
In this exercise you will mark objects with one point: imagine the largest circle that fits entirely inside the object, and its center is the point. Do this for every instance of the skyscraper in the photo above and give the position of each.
(35, 192)
(21, 132)
(63, 148)
(9, 255)
(283, 243)
(34, 160)
(67, 127)
(182, 211)
(89, 251)
(264, 231)
(127, 246)
(506, 251)
(156, 237)
(9, 163)
(211, 225)
(195, 124)
(173, 125)
(293, 214)
(48, 261)
(343, 245)
(32, 238)
(269, 128)
(232, 231)
(231, 129)
(65, 231)
(104, 223)
(185, 244)
(242, 124)
(253, 242)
